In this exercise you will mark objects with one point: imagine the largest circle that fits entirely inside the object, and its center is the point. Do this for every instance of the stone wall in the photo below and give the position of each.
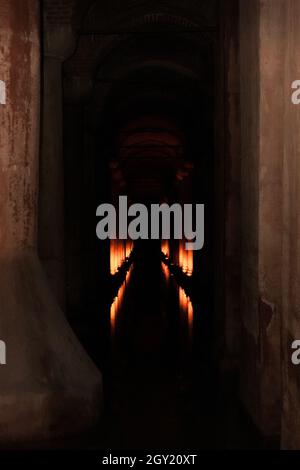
(262, 57)
(291, 231)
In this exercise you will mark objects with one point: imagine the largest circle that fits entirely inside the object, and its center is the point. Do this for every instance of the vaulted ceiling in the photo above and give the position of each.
(133, 60)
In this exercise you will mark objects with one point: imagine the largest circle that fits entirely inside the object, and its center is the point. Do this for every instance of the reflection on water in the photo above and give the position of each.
(152, 368)
(186, 261)
(119, 251)
(165, 271)
(182, 308)
(160, 386)
(118, 301)
(186, 308)
(165, 248)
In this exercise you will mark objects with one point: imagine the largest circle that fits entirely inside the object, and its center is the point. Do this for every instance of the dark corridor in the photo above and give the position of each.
(160, 384)
(151, 314)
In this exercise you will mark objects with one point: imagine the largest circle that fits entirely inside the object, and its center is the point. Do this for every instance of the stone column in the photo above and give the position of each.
(291, 232)
(58, 45)
(49, 386)
(262, 112)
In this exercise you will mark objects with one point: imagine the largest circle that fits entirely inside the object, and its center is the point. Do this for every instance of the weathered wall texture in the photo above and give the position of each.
(262, 54)
(291, 232)
(49, 386)
(270, 209)
(249, 64)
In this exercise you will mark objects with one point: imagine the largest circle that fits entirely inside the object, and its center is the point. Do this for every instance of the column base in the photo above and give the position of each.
(49, 387)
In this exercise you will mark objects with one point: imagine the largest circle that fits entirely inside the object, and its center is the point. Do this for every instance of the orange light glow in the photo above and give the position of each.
(186, 307)
(165, 271)
(113, 315)
(165, 248)
(119, 251)
(117, 304)
(186, 259)
(190, 315)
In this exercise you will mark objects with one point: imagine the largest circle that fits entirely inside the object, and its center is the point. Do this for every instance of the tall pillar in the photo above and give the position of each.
(262, 111)
(291, 232)
(58, 45)
(49, 386)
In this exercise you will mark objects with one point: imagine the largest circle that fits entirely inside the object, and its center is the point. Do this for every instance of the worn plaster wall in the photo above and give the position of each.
(291, 232)
(262, 109)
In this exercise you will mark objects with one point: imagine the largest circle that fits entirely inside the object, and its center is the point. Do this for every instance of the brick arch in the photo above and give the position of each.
(139, 14)
(145, 12)
(164, 19)
(93, 49)
(111, 17)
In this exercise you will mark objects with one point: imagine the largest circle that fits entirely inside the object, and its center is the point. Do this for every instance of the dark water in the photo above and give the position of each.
(153, 347)
(161, 391)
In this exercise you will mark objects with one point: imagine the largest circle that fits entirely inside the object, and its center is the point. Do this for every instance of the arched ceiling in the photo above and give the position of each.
(128, 26)
(109, 14)
(134, 58)
(149, 155)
